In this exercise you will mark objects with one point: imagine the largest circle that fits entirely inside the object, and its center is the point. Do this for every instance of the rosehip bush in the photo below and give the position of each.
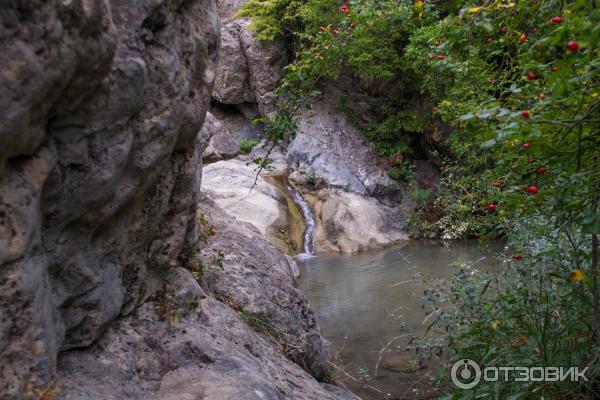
(517, 86)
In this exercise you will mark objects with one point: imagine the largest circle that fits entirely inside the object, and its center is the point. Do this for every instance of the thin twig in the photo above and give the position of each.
(426, 374)
(384, 348)
(366, 385)
(263, 164)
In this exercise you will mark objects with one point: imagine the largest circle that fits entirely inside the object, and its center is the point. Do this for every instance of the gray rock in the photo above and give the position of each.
(350, 222)
(232, 81)
(228, 184)
(101, 104)
(237, 124)
(326, 145)
(249, 70)
(266, 60)
(256, 278)
(222, 146)
(205, 352)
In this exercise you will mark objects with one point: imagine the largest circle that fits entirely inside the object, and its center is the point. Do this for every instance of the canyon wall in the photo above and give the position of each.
(100, 105)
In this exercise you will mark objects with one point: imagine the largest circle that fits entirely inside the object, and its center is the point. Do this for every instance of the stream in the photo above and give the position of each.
(309, 221)
(353, 296)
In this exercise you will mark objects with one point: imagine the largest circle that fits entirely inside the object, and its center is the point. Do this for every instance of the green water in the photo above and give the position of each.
(354, 295)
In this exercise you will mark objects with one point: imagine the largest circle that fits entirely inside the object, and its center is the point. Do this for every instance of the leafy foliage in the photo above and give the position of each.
(519, 85)
(246, 145)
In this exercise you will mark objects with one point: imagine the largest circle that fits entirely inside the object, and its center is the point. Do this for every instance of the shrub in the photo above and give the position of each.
(246, 145)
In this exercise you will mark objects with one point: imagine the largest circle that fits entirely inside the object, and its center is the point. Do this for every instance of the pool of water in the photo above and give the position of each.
(354, 295)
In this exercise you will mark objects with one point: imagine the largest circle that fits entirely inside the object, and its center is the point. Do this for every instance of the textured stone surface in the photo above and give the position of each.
(326, 146)
(249, 69)
(257, 278)
(350, 222)
(222, 145)
(188, 345)
(101, 103)
(228, 183)
(232, 84)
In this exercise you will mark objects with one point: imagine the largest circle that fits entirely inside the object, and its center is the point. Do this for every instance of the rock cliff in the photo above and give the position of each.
(102, 104)
(231, 339)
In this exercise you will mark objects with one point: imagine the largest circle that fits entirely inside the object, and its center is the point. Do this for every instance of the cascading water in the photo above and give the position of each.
(309, 220)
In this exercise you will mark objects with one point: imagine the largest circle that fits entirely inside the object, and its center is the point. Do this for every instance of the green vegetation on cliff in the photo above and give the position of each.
(515, 86)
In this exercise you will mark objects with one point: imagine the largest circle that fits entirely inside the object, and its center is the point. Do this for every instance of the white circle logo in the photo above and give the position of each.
(465, 374)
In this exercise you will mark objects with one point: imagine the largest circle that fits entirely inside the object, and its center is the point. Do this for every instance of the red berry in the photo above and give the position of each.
(532, 189)
(572, 46)
(531, 76)
(523, 38)
(540, 170)
(525, 146)
(322, 28)
(496, 184)
(344, 9)
(541, 96)
(491, 208)
(556, 20)
(525, 114)
(431, 56)
(442, 57)
(554, 69)
(517, 257)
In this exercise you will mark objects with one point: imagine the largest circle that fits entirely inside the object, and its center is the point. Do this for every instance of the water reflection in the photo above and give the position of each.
(353, 297)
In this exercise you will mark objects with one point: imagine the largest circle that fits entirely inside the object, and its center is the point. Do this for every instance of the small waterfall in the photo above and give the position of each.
(309, 220)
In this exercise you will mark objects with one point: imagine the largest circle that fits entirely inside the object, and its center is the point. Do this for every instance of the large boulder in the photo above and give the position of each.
(222, 145)
(188, 346)
(350, 222)
(229, 183)
(325, 147)
(232, 84)
(255, 277)
(249, 69)
(101, 104)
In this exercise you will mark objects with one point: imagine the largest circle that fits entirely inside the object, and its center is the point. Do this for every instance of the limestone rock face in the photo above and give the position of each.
(228, 183)
(232, 84)
(101, 102)
(206, 352)
(222, 145)
(249, 69)
(349, 222)
(260, 280)
(326, 146)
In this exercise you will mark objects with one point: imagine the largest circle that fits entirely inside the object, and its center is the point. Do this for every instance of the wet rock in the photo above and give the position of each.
(228, 184)
(101, 104)
(349, 222)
